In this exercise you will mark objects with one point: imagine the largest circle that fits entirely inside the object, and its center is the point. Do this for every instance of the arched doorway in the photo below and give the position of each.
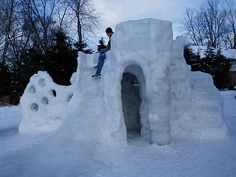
(134, 103)
(131, 101)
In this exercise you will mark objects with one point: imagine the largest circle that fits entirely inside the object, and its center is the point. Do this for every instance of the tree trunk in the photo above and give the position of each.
(4, 54)
(79, 32)
(234, 41)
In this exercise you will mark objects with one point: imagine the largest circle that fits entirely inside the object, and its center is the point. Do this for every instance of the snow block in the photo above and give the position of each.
(43, 104)
(146, 90)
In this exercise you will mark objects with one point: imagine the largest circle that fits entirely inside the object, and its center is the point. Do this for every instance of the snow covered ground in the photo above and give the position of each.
(230, 111)
(28, 156)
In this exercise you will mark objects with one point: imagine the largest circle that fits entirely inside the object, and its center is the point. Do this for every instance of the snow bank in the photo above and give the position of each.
(146, 88)
(7, 119)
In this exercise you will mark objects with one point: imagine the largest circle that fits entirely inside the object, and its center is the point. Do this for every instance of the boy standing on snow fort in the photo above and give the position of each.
(102, 54)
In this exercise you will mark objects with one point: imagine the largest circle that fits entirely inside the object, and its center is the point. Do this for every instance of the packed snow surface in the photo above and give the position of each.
(27, 156)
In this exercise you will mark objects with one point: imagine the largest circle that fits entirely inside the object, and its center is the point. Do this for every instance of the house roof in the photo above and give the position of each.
(233, 67)
(228, 53)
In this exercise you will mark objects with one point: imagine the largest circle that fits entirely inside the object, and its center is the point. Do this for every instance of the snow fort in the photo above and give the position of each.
(146, 91)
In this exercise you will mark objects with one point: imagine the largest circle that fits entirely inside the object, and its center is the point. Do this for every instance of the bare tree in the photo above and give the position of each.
(38, 20)
(25, 23)
(8, 18)
(61, 15)
(231, 19)
(32, 23)
(85, 15)
(214, 22)
(192, 24)
(208, 25)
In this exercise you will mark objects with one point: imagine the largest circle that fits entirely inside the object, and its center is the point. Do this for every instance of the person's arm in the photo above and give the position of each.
(109, 44)
(104, 50)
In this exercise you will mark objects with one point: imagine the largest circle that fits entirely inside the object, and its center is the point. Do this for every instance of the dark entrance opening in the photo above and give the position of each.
(131, 100)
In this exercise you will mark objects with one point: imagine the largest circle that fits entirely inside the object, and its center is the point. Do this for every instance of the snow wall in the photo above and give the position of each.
(146, 89)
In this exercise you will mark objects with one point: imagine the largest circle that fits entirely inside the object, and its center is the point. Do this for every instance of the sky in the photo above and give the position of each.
(116, 11)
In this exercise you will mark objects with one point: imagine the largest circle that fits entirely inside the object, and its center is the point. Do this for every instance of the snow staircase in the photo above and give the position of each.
(205, 111)
(89, 124)
(206, 101)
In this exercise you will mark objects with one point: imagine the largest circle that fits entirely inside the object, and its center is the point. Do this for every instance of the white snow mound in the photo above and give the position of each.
(43, 104)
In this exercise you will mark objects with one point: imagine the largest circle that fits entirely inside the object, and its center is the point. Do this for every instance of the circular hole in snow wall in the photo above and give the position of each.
(44, 100)
(32, 89)
(42, 82)
(34, 107)
(69, 97)
(53, 92)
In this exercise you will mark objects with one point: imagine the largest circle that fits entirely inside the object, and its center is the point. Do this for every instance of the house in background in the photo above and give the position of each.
(230, 54)
(232, 74)
(5, 100)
